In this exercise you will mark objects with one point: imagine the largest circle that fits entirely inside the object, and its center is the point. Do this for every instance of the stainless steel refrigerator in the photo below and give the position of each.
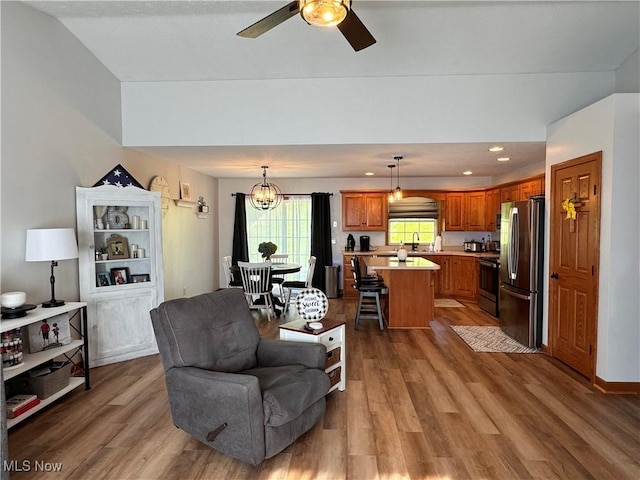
(521, 255)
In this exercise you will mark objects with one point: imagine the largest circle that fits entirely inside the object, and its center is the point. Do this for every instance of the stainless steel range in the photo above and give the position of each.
(489, 285)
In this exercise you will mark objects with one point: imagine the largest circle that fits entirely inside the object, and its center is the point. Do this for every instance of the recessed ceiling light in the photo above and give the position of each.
(496, 149)
(369, 174)
(504, 159)
(467, 172)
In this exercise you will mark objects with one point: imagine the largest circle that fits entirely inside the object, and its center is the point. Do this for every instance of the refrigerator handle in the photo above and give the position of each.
(514, 294)
(514, 246)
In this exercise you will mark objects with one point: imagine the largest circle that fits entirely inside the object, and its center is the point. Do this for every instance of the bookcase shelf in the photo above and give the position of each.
(33, 360)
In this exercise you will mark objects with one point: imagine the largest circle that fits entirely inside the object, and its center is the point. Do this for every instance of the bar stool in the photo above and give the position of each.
(370, 288)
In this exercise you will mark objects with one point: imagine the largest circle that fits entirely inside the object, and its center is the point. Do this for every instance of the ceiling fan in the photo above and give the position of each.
(324, 13)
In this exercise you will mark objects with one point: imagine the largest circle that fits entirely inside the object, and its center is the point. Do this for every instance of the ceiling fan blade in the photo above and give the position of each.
(270, 21)
(355, 32)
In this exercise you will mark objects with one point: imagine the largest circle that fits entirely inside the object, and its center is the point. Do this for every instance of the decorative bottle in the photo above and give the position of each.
(402, 253)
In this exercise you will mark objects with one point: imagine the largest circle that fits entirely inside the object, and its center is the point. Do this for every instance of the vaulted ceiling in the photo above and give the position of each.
(151, 41)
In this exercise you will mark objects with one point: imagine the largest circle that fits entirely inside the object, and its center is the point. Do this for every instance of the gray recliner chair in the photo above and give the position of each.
(245, 396)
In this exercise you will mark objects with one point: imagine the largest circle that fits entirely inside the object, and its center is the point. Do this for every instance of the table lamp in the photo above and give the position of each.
(51, 244)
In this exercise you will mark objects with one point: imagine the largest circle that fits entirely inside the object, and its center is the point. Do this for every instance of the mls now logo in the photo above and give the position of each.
(28, 466)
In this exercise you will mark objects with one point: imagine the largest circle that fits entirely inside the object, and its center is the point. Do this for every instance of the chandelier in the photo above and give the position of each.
(265, 196)
(397, 194)
(324, 13)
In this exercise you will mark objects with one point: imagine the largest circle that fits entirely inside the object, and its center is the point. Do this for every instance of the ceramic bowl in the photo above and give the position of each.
(13, 299)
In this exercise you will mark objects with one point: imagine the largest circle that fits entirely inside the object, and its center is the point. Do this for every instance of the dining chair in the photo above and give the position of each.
(276, 279)
(297, 285)
(256, 282)
(231, 282)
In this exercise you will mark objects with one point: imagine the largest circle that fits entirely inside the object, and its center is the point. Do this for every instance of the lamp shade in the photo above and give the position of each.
(50, 244)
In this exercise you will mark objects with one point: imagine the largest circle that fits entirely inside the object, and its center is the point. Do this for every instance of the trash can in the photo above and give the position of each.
(331, 280)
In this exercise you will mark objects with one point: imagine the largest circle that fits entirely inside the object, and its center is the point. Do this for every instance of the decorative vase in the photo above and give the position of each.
(402, 254)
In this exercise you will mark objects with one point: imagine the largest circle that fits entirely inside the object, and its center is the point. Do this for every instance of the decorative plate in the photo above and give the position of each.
(312, 304)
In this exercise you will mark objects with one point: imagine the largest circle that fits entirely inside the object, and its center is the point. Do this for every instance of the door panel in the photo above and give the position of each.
(574, 261)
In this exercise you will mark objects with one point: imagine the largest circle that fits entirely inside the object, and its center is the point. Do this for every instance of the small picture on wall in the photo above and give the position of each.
(120, 275)
(185, 191)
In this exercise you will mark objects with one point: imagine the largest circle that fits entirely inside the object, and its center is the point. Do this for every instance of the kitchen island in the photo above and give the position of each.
(411, 290)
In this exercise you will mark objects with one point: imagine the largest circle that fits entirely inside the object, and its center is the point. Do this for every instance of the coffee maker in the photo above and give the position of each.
(364, 243)
(351, 243)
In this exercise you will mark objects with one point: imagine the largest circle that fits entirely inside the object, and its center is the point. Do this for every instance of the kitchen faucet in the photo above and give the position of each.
(414, 245)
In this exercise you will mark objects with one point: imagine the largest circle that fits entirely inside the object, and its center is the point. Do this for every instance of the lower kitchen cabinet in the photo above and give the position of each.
(465, 273)
(458, 276)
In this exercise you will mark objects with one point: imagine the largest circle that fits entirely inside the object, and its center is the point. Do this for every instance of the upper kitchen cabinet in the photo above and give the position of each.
(492, 209)
(531, 188)
(522, 190)
(465, 211)
(364, 211)
(474, 209)
(510, 193)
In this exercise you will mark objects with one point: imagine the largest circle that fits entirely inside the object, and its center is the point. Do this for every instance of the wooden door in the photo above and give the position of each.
(574, 262)
(454, 212)
(474, 211)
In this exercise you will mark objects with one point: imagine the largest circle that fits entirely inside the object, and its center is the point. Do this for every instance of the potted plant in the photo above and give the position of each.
(104, 253)
(267, 249)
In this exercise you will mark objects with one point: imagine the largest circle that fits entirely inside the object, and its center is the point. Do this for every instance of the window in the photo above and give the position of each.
(288, 226)
(401, 230)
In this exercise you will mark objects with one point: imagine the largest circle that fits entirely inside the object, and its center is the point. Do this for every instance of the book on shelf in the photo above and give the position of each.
(18, 404)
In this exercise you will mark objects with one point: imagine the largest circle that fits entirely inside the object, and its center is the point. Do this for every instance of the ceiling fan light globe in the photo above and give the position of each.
(324, 13)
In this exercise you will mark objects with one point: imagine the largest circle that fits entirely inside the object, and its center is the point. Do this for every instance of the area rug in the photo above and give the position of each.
(490, 339)
(447, 302)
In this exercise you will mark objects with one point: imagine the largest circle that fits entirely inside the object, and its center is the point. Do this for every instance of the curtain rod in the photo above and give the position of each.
(290, 194)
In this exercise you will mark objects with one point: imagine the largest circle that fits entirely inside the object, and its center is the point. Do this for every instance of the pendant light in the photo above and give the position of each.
(397, 194)
(265, 196)
(391, 167)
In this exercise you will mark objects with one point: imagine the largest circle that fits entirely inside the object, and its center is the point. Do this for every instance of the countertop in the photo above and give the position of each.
(419, 253)
(392, 263)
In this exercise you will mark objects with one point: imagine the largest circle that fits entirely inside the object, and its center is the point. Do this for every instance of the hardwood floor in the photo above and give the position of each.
(418, 404)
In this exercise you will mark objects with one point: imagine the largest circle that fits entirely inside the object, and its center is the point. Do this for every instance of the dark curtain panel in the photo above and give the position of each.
(321, 236)
(240, 251)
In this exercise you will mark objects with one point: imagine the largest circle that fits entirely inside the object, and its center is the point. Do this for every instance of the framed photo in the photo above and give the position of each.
(103, 279)
(140, 278)
(185, 191)
(120, 275)
(49, 333)
(117, 247)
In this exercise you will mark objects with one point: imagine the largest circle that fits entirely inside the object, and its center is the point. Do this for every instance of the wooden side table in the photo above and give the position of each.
(332, 335)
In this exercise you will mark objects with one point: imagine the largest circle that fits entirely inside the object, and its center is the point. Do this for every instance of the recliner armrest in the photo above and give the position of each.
(274, 353)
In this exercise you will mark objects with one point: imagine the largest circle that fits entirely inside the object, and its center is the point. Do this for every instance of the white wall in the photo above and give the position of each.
(473, 108)
(61, 128)
(611, 125)
(628, 75)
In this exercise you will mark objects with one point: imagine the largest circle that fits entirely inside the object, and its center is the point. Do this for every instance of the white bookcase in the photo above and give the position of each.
(119, 323)
(33, 360)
